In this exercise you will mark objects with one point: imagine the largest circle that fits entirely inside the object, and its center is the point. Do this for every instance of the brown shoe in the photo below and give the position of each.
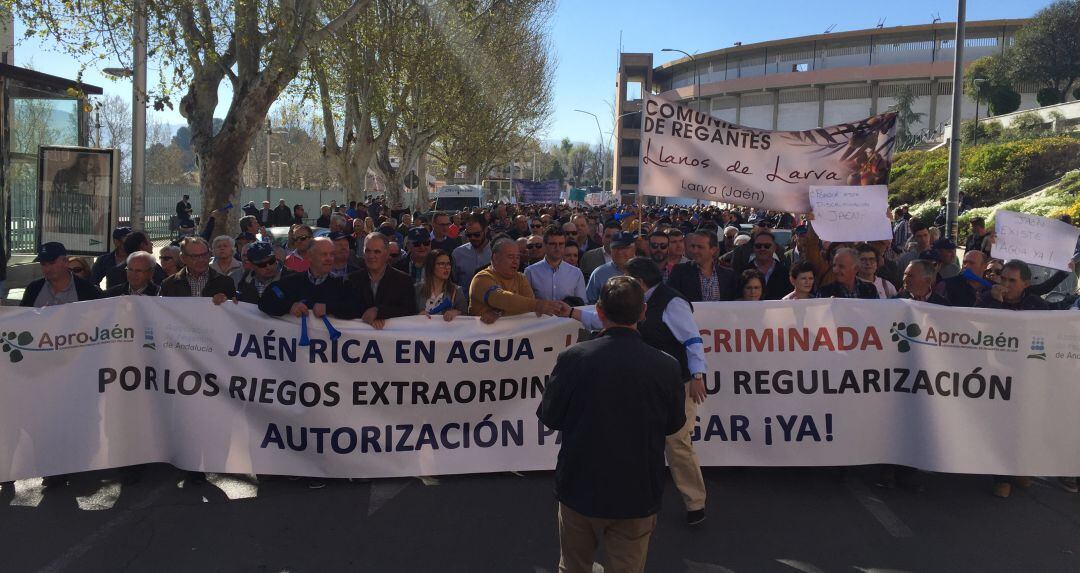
(1022, 481)
(1002, 489)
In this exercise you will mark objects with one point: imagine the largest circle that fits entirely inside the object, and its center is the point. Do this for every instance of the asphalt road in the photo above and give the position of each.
(783, 520)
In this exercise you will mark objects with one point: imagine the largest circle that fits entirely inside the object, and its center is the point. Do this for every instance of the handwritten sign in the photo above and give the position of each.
(1033, 239)
(851, 213)
(692, 154)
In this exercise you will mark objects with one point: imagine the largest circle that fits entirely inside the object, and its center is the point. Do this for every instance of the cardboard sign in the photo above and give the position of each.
(851, 213)
(1033, 239)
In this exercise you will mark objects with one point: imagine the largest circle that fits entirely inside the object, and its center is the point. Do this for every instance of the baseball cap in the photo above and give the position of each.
(418, 235)
(623, 239)
(944, 243)
(930, 255)
(337, 235)
(120, 232)
(258, 252)
(49, 252)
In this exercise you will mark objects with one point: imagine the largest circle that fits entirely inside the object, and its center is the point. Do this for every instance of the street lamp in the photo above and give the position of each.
(697, 82)
(978, 93)
(603, 162)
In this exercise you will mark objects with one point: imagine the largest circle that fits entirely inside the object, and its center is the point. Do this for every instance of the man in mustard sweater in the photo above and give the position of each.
(500, 289)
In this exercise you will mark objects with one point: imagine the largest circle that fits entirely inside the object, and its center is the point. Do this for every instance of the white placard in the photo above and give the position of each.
(1033, 239)
(851, 213)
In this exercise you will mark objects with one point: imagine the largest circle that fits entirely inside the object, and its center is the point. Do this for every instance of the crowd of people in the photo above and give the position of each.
(376, 265)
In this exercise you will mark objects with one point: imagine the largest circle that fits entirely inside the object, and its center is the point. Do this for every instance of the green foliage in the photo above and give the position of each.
(1028, 122)
(1004, 100)
(1051, 202)
(987, 130)
(1048, 96)
(1046, 51)
(905, 116)
(990, 173)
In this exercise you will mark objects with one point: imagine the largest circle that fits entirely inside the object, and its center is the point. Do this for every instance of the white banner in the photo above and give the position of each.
(225, 389)
(695, 155)
(1033, 239)
(851, 213)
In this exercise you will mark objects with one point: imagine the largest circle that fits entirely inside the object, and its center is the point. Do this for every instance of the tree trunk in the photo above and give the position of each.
(219, 183)
(422, 188)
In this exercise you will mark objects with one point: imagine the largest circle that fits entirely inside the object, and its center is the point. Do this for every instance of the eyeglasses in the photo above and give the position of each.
(302, 238)
(535, 225)
(762, 246)
(265, 263)
(992, 272)
(658, 246)
(534, 246)
(474, 235)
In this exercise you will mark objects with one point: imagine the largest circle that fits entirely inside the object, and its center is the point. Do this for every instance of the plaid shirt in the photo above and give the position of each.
(197, 283)
(710, 286)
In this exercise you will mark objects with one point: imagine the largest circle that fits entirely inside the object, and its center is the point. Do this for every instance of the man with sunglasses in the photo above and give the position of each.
(58, 285)
(474, 255)
(659, 243)
(264, 270)
(767, 262)
(419, 245)
(534, 249)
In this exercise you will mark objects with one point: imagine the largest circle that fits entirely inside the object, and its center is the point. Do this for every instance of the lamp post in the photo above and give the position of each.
(603, 162)
(978, 93)
(954, 143)
(697, 80)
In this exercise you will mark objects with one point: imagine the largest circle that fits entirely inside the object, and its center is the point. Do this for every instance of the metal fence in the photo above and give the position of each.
(159, 207)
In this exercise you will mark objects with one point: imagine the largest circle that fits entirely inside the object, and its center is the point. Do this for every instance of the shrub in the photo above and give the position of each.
(1028, 122)
(988, 131)
(1004, 100)
(992, 172)
(1048, 96)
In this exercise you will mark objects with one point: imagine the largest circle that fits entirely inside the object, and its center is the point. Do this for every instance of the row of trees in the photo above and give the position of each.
(1045, 51)
(468, 81)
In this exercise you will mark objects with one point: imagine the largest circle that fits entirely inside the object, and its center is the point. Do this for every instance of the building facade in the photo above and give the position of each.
(807, 82)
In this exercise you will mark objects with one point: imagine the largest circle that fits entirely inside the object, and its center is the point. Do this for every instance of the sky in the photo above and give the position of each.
(585, 38)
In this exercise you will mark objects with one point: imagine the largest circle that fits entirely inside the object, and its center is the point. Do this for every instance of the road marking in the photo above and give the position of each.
(235, 486)
(889, 520)
(800, 566)
(104, 498)
(28, 492)
(67, 559)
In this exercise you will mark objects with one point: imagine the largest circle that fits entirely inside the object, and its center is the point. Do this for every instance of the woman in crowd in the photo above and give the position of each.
(300, 237)
(802, 278)
(80, 267)
(169, 259)
(224, 262)
(866, 271)
(572, 253)
(436, 293)
(751, 285)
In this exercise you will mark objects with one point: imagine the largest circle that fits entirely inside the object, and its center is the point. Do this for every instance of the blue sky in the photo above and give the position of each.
(585, 38)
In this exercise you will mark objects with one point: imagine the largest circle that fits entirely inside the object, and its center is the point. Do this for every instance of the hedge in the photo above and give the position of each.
(992, 172)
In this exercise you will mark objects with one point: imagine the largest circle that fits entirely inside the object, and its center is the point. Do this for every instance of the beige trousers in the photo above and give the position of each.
(626, 542)
(685, 469)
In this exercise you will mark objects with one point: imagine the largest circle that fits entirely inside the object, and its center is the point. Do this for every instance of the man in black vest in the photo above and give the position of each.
(964, 288)
(610, 473)
(669, 326)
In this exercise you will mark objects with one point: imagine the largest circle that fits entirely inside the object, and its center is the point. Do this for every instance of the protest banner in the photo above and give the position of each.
(134, 380)
(849, 213)
(686, 153)
(537, 191)
(1033, 239)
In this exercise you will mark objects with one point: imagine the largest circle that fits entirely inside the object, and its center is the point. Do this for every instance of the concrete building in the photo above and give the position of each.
(807, 82)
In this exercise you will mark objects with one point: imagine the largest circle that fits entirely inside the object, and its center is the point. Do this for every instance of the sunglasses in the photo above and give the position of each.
(77, 270)
(395, 255)
(165, 258)
(992, 272)
(535, 226)
(658, 246)
(302, 238)
(474, 235)
(763, 246)
(534, 246)
(421, 243)
(265, 263)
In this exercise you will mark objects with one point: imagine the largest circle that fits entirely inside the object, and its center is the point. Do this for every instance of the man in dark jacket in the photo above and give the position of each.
(264, 270)
(197, 278)
(846, 285)
(379, 292)
(964, 288)
(1013, 292)
(283, 215)
(918, 283)
(138, 276)
(112, 259)
(702, 279)
(135, 242)
(57, 285)
(610, 471)
(313, 291)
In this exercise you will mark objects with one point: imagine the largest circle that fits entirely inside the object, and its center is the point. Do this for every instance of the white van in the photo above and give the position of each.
(452, 198)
